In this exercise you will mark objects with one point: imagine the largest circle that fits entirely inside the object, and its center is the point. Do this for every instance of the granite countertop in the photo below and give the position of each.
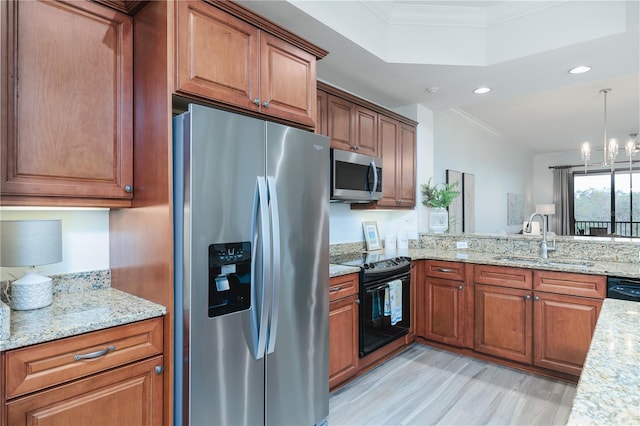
(628, 270)
(75, 313)
(608, 392)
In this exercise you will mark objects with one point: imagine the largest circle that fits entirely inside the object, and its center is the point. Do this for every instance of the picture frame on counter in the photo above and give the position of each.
(371, 235)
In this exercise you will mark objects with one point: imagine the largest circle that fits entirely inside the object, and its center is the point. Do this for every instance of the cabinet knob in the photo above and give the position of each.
(536, 298)
(459, 287)
(265, 104)
(527, 297)
(256, 102)
(128, 189)
(159, 369)
(358, 301)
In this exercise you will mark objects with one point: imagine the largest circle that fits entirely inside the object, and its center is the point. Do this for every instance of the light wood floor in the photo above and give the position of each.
(428, 386)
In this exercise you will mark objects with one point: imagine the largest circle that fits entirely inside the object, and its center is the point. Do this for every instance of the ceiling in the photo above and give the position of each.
(391, 52)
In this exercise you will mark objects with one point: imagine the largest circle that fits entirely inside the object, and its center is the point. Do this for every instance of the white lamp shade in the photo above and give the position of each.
(546, 209)
(30, 242)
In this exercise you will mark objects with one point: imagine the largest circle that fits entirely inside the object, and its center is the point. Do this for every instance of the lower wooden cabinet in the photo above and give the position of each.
(445, 305)
(343, 329)
(109, 377)
(130, 395)
(503, 322)
(542, 320)
(444, 311)
(563, 328)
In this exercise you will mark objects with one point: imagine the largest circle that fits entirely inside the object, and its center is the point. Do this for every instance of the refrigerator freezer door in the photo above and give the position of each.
(297, 370)
(226, 153)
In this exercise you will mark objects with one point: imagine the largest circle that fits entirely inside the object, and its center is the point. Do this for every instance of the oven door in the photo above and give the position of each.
(385, 311)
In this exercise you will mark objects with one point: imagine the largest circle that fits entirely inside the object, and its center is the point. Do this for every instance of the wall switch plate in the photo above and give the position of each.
(462, 245)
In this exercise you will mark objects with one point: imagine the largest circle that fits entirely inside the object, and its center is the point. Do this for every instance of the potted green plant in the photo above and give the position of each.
(438, 199)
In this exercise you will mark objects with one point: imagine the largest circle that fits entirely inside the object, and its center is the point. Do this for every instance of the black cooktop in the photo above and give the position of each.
(372, 260)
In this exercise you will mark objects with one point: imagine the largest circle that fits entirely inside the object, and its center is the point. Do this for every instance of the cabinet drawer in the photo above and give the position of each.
(442, 269)
(343, 286)
(503, 276)
(570, 284)
(37, 367)
(129, 395)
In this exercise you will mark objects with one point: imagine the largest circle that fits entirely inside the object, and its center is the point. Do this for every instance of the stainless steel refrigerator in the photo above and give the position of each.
(251, 249)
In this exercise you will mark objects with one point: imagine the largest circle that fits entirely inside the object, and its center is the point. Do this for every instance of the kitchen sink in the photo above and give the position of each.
(547, 262)
(514, 259)
(569, 264)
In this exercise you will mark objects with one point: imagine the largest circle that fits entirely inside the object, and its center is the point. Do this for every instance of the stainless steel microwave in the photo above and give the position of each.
(355, 178)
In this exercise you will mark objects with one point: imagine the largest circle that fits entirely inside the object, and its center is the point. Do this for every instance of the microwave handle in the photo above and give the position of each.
(375, 177)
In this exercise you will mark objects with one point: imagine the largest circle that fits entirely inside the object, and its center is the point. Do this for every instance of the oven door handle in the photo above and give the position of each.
(374, 289)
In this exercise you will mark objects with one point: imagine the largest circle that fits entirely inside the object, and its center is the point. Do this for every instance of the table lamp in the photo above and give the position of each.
(546, 210)
(30, 243)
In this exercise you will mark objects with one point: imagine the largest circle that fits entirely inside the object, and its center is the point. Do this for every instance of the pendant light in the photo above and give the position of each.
(609, 148)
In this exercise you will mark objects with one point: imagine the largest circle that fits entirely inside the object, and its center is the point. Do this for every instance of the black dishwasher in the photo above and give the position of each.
(623, 288)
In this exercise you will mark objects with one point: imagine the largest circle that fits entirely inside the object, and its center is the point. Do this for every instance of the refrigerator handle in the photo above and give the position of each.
(260, 233)
(275, 235)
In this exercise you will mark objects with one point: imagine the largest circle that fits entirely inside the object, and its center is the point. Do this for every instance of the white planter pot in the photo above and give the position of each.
(438, 220)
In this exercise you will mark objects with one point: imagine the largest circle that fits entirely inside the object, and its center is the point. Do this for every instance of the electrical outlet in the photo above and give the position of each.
(462, 245)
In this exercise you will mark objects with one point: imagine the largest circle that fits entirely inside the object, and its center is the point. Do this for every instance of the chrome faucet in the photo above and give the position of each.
(544, 247)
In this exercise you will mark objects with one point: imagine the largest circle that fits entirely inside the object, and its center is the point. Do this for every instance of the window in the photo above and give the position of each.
(606, 203)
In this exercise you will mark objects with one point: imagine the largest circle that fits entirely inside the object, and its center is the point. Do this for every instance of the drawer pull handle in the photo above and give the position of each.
(460, 287)
(96, 354)
(334, 289)
(444, 270)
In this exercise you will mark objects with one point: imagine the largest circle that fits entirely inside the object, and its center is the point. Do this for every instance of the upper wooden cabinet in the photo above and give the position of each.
(354, 124)
(397, 142)
(224, 58)
(321, 113)
(351, 127)
(66, 104)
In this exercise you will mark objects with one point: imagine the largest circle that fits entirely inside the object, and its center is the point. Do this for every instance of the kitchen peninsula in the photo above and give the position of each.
(608, 387)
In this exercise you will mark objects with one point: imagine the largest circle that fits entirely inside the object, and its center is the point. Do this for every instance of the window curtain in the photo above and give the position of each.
(561, 222)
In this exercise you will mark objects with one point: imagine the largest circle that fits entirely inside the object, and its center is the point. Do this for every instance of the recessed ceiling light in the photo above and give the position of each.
(481, 90)
(579, 70)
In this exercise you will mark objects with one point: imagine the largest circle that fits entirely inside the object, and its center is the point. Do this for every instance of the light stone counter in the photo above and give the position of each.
(608, 392)
(74, 313)
(339, 270)
(554, 263)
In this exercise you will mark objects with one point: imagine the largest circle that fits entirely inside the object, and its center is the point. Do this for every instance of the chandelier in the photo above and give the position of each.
(610, 147)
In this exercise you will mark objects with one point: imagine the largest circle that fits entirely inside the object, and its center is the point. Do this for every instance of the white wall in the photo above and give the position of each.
(85, 239)
(543, 175)
(499, 168)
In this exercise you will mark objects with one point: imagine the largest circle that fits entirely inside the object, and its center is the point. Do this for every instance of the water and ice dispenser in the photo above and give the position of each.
(229, 278)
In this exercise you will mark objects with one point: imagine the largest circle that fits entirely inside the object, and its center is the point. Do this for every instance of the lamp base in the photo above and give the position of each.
(32, 291)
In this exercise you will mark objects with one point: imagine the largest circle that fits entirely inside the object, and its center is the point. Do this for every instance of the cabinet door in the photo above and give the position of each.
(397, 146)
(130, 395)
(389, 133)
(406, 167)
(563, 328)
(503, 322)
(341, 114)
(67, 110)
(445, 302)
(343, 340)
(321, 113)
(366, 136)
(287, 81)
(217, 55)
